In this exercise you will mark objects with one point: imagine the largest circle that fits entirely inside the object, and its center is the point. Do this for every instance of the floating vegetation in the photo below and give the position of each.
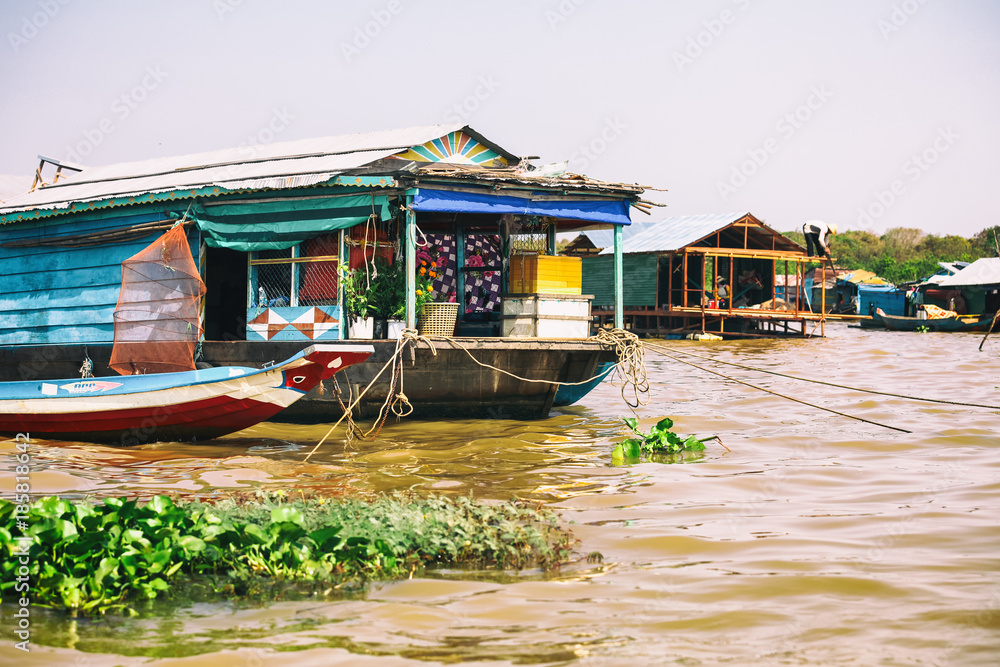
(96, 558)
(660, 444)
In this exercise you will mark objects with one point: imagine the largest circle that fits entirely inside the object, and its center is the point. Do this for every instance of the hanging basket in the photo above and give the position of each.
(438, 319)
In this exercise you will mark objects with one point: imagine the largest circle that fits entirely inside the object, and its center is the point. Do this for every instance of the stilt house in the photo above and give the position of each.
(713, 273)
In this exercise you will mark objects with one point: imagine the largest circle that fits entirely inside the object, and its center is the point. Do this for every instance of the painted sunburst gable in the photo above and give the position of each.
(454, 148)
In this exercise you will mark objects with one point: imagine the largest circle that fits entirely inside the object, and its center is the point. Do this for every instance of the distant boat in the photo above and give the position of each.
(181, 406)
(954, 323)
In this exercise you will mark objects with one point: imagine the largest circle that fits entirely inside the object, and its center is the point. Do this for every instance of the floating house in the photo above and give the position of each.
(848, 290)
(968, 288)
(887, 297)
(704, 273)
(978, 285)
(280, 232)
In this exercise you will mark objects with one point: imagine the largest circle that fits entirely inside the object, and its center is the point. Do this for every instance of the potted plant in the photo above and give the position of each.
(386, 295)
(357, 304)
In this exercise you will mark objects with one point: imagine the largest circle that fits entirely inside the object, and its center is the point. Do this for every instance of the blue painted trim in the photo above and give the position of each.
(614, 211)
(131, 384)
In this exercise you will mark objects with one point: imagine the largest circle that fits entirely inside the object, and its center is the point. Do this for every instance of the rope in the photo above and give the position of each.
(752, 386)
(354, 403)
(625, 344)
(838, 386)
(508, 373)
(396, 401)
(352, 428)
(87, 367)
(630, 363)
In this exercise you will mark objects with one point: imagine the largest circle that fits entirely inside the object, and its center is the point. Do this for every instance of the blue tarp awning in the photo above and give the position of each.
(613, 211)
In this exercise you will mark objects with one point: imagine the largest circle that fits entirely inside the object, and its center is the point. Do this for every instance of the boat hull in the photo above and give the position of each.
(960, 323)
(192, 405)
(442, 378)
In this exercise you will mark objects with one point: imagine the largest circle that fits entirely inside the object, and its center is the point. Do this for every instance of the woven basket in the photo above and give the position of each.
(438, 319)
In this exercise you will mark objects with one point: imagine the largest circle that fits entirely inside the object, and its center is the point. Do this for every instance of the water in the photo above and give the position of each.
(816, 540)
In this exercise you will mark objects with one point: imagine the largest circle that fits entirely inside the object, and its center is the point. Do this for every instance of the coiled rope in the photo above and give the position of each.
(395, 400)
(630, 367)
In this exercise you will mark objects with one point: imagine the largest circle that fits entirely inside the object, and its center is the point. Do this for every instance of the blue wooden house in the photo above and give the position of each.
(269, 226)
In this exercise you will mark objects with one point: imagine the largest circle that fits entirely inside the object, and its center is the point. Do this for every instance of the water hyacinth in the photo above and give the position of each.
(95, 558)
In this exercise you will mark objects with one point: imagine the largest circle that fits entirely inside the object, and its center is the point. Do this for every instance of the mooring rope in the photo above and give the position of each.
(625, 344)
(454, 342)
(354, 403)
(833, 384)
(397, 401)
(630, 363)
(659, 349)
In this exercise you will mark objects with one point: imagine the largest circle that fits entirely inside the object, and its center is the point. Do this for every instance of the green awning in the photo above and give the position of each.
(276, 225)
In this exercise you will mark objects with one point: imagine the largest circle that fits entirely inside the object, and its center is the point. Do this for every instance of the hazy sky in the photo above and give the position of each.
(869, 113)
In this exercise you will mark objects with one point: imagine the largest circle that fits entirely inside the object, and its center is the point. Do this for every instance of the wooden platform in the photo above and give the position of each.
(726, 322)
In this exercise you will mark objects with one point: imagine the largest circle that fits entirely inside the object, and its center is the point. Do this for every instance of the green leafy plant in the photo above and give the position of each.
(356, 292)
(922, 329)
(659, 440)
(95, 558)
(387, 292)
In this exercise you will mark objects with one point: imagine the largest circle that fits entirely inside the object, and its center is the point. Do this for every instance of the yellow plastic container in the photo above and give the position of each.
(546, 274)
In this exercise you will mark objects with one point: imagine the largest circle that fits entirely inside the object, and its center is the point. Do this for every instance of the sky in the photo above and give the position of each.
(872, 114)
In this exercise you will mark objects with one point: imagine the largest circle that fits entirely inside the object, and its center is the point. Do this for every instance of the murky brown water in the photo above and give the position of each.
(817, 540)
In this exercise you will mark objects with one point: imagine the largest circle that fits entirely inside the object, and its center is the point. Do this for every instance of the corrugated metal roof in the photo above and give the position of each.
(12, 186)
(983, 271)
(674, 233)
(953, 267)
(859, 276)
(605, 238)
(275, 165)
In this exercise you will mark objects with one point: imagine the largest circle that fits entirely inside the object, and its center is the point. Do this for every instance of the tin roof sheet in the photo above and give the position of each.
(275, 165)
(983, 271)
(673, 233)
(605, 238)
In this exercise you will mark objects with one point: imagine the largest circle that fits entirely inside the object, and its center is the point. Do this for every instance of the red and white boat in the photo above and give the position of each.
(186, 405)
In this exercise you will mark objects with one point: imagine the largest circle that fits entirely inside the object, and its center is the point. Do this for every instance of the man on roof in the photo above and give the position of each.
(817, 235)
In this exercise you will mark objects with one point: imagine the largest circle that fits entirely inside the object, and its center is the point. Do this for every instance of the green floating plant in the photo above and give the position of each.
(659, 440)
(105, 557)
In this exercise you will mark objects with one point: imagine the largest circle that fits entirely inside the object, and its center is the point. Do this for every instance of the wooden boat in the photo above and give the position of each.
(441, 379)
(187, 405)
(956, 323)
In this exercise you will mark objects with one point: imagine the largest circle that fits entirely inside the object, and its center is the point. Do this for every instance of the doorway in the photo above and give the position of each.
(226, 295)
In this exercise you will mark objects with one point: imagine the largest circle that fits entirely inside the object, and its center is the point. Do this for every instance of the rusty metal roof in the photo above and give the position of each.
(275, 165)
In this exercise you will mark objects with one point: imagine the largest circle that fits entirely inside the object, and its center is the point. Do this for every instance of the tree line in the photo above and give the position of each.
(903, 254)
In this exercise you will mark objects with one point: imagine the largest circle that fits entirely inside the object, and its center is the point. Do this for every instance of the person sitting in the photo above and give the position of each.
(817, 235)
(957, 304)
(722, 290)
(843, 307)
